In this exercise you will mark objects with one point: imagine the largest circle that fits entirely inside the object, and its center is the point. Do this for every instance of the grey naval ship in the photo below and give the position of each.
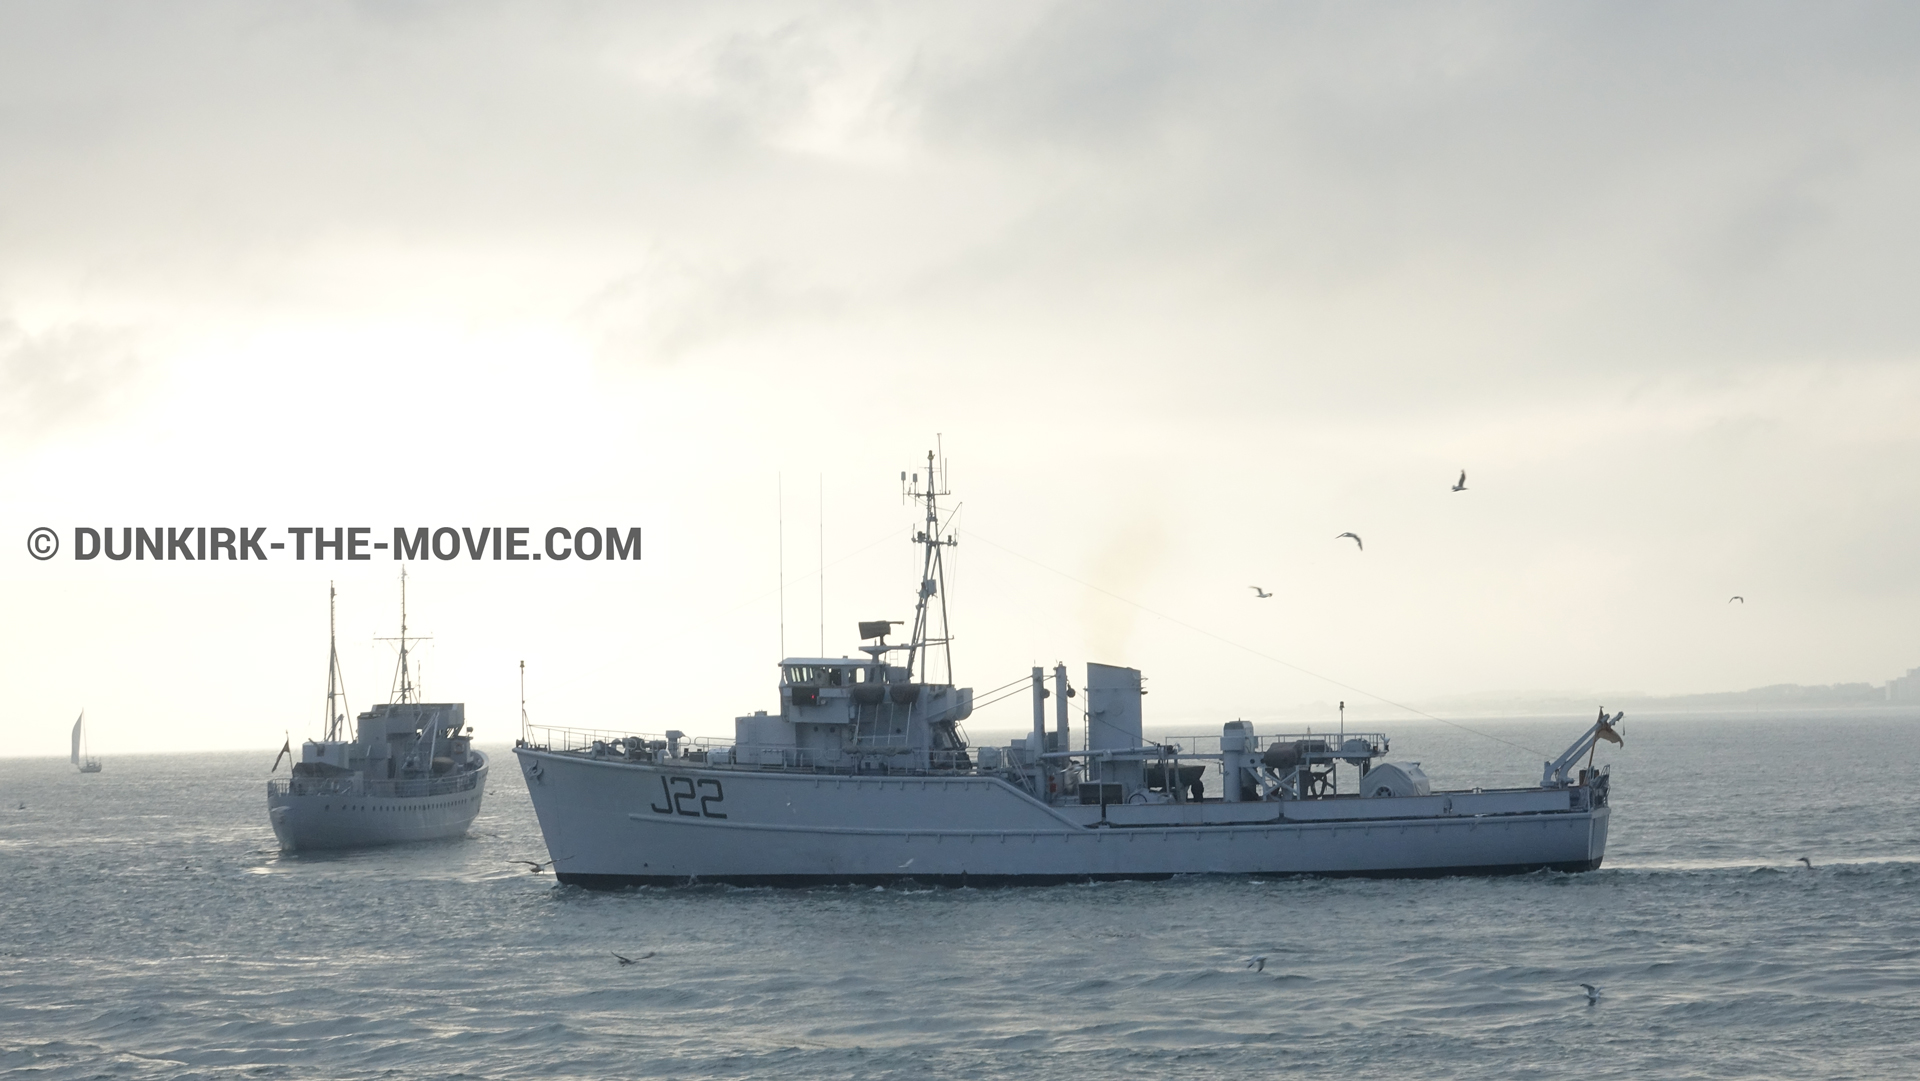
(409, 774)
(864, 775)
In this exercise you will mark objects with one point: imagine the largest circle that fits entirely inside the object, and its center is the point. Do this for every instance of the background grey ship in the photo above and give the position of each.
(409, 774)
(865, 775)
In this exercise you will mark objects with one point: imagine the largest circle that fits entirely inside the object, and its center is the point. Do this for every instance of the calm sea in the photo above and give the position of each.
(149, 928)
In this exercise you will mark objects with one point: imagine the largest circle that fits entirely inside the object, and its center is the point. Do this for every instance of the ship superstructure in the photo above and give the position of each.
(409, 772)
(864, 774)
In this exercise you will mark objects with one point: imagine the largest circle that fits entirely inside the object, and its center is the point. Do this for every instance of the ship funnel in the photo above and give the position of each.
(1113, 708)
(1113, 724)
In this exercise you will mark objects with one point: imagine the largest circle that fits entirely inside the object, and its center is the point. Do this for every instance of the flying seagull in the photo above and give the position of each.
(1257, 962)
(534, 868)
(1593, 993)
(1736, 597)
(1461, 484)
(1808, 862)
(1260, 593)
(1356, 540)
(631, 960)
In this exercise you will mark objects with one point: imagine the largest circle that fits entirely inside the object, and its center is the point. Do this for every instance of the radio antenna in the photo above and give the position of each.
(821, 513)
(780, 527)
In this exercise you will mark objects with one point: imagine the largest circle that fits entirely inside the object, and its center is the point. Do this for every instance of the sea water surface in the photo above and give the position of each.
(150, 928)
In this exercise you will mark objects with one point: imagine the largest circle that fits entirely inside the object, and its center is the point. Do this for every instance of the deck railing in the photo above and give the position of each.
(720, 753)
(1331, 742)
(555, 738)
(351, 786)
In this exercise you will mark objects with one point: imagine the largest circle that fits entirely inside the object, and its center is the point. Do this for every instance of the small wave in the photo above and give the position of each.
(1792, 864)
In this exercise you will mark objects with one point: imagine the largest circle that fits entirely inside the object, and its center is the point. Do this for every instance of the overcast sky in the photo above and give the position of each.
(1187, 290)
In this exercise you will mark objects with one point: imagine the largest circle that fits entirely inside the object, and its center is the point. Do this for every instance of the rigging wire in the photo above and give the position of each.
(978, 706)
(764, 594)
(975, 535)
(1016, 683)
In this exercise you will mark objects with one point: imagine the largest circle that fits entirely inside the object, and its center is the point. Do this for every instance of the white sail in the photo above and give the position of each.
(75, 758)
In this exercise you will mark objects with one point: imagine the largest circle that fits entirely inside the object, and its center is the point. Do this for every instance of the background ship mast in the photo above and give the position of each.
(403, 689)
(932, 602)
(336, 683)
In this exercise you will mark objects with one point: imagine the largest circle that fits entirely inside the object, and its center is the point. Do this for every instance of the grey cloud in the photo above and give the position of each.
(668, 308)
(1270, 271)
(1629, 153)
(61, 376)
(1523, 192)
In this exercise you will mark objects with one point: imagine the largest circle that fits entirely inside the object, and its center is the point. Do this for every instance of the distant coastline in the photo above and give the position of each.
(1774, 697)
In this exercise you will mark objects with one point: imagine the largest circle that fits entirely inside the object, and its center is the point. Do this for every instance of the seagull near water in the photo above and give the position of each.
(1593, 993)
(1807, 861)
(1257, 962)
(1356, 540)
(632, 960)
(1461, 484)
(1260, 593)
(534, 868)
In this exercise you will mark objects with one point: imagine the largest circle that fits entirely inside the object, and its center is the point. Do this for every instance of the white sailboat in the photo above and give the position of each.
(79, 756)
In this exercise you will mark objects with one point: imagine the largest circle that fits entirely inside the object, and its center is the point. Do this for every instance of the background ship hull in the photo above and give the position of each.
(304, 823)
(611, 823)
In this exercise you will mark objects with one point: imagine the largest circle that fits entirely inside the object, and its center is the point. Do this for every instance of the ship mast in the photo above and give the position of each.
(933, 584)
(403, 689)
(336, 683)
(406, 675)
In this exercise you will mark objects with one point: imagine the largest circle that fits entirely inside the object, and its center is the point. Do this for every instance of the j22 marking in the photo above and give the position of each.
(677, 790)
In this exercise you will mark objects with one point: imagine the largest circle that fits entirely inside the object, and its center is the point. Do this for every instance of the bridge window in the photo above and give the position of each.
(821, 675)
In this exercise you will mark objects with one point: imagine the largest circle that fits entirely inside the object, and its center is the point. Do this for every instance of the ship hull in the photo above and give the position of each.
(611, 823)
(350, 817)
